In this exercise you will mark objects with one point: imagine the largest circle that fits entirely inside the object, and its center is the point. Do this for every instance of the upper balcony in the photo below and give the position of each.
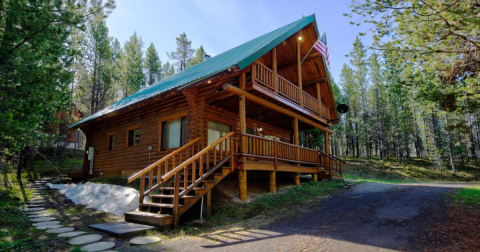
(278, 85)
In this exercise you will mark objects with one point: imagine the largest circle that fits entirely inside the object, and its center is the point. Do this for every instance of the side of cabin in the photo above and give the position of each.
(244, 117)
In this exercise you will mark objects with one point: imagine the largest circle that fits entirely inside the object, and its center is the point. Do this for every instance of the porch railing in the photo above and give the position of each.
(264, 76)
(272, 149)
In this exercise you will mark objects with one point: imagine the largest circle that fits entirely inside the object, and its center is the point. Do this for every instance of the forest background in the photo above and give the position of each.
(413, 93)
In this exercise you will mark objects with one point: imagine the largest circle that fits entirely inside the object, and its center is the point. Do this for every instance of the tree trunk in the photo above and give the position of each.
(449, 139)
(20, 164)
(32, 156)
(472, 141)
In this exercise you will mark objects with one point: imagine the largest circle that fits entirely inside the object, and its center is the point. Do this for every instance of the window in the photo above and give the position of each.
(111, 142)
(272, 137)
(250, 131)
(133, 137)
(216, 131)
(174, 133)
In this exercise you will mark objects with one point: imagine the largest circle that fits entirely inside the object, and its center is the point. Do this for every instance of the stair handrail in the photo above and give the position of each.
(162, 160)
(182, 167)
(189, 161)
(332, 157)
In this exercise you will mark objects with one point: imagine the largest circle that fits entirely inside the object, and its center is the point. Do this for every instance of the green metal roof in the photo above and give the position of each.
(242, 55)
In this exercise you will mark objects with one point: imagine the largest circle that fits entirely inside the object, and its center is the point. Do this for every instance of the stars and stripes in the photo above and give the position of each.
(322, 48)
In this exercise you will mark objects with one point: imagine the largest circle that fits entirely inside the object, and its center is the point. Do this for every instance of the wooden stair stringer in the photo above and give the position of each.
(199, 193)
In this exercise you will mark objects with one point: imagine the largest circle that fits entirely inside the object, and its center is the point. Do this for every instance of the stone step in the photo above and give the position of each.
(126, 229)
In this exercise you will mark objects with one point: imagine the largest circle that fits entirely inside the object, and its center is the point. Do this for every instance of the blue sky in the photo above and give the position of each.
(220, 25)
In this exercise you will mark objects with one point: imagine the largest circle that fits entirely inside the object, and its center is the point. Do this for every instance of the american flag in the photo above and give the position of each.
(322, 48)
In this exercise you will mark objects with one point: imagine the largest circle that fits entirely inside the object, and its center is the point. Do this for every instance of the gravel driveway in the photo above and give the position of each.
(369, 217)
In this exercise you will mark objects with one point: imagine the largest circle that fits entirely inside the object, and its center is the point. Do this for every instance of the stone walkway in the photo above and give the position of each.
(41, 219)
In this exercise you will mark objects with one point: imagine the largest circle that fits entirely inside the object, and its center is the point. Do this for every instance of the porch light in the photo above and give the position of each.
(300, 38)
(259, 128)
(209, 81)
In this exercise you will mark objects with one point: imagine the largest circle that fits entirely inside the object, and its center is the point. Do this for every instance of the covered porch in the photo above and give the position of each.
(258, 103)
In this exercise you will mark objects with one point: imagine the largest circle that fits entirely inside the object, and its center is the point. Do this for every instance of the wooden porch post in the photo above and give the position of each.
(296, 142)
(297, 179)
(273, 183)
(242, 114)
(319, 98)
(314, 177)
(274, 67)
(242, 181)
(242, 174)
(327, 160)
(299, 73)
(295, 131)
(327, 148)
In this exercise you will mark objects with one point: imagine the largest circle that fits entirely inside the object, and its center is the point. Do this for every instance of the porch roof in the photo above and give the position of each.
(241, 56)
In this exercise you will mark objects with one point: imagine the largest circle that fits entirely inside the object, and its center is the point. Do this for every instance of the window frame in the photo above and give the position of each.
(163, 139)
(133, 127)
(224, 122)
(108, 140)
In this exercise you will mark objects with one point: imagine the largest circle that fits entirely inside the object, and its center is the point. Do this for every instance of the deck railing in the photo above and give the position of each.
(264, 76)
(288, 89)
(311, 103)
(272, 149)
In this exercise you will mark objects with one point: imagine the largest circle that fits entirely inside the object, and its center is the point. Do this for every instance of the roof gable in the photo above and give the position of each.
(242, 55)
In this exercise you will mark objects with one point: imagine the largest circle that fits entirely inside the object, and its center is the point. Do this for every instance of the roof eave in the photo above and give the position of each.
(250, 59)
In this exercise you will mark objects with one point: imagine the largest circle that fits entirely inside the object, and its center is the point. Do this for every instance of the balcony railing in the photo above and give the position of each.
(264, 76)
(272, 149)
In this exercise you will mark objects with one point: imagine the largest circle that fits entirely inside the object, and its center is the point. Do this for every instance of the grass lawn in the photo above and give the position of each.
(46, 168)
(417, 170)
(468, 196)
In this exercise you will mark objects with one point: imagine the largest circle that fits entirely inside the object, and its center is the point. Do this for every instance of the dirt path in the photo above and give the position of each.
(370, 217)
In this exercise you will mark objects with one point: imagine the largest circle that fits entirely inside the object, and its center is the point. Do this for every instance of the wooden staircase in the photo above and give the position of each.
(179, 187)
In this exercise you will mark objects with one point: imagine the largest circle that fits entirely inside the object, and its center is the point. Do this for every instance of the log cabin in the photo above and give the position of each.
(237, 112)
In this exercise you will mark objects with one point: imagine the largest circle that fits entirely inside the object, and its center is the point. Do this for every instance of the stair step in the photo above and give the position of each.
(169, 196)
(181, 188)
(159, 205)
(147, 214)
(149, 218)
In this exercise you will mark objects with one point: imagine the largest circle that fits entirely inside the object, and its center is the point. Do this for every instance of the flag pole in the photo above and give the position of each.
(308, 52)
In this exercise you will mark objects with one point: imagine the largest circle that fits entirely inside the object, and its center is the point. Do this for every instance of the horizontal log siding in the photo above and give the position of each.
(124, 161)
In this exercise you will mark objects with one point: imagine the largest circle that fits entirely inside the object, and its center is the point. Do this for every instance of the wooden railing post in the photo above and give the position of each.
(142, 189)
(254, 70)
(297, 140)
(274, 68)
(232, 156)
(330, 170)
(341, 172)
(299, 73)
(275, 150)
(319, 98)
(176, 195)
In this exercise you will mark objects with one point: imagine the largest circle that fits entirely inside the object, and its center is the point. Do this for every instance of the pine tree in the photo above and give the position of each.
(199, 56)
(96, 70)
(153, 65)
(168, 70)
(183, 52)
(131, 65)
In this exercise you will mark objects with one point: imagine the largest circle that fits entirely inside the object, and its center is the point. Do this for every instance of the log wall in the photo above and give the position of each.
(125, 160)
